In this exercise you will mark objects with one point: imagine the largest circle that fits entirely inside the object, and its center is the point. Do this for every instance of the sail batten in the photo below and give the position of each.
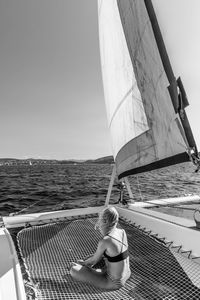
(140, 89)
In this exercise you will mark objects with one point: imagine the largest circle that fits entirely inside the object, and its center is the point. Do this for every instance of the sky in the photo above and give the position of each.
(51, 91)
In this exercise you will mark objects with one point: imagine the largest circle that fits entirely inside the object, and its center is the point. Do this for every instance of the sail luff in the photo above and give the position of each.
(163, 54)
(160, 42)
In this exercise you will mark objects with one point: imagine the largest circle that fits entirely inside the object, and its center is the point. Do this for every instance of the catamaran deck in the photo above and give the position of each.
(158, 271)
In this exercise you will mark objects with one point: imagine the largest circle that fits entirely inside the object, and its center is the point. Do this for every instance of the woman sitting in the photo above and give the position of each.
(114, 247)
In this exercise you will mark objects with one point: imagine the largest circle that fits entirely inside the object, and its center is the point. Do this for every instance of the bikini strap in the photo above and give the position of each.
(119, 240)
(122, 240)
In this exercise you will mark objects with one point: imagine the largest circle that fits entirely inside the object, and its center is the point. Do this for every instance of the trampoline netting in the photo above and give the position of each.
(157, 271)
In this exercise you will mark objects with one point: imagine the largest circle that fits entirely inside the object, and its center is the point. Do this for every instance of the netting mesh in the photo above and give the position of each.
(157, 272)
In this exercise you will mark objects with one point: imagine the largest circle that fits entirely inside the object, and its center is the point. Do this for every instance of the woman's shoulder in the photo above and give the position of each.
(119, 231)
(105, 240)
(117, 234)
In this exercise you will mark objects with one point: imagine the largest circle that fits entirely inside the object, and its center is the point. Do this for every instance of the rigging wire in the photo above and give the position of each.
(25, 208)
(140, 192)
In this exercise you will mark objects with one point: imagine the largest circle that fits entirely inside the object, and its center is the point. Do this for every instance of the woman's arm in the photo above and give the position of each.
(96, 256)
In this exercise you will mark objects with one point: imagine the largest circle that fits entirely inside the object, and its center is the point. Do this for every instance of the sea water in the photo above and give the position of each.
(44, 187)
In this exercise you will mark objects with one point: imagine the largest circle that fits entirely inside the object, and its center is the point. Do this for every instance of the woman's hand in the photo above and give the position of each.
(81, 262)
(92, 260)
(85, 263)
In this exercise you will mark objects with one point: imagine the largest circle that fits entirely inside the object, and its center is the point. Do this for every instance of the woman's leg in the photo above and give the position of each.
(89, 275)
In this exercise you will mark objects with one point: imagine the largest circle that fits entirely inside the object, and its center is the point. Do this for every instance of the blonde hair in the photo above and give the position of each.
(108, 219)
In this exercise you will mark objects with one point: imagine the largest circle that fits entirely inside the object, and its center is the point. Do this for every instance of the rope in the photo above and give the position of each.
(24, 209)
(58, 205)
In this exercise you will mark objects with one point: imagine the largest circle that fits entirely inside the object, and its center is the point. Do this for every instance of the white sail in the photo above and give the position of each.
(144, 127)
(119, 80)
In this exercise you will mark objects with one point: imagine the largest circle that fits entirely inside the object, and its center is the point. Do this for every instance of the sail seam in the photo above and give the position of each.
(122, 101)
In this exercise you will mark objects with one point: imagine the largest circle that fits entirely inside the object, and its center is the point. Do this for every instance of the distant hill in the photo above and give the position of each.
(102, 160)
(33, 161)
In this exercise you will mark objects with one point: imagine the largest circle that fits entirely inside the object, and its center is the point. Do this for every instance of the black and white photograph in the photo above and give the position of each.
(99, 150)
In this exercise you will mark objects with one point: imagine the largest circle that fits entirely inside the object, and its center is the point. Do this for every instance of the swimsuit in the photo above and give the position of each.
(120, 256)
(119, 282)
